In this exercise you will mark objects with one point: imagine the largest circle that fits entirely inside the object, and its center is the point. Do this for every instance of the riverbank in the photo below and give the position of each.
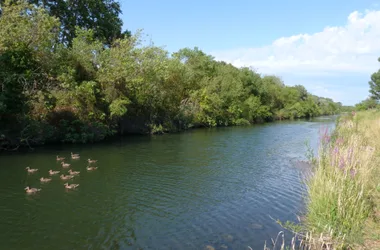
(343, 207)
(80, 135)
(85, 91)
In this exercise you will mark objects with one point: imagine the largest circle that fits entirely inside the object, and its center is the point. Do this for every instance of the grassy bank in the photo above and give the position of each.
(343, 202)
(343, 206)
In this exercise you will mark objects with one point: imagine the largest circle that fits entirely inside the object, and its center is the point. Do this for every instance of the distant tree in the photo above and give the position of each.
(368, 103)
(374, 84)
(347, 109)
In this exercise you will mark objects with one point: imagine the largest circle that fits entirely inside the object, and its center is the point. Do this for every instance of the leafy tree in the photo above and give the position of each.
(374, 84)
(102, 16)
(302, 92)
(25, 50)
(366, 104)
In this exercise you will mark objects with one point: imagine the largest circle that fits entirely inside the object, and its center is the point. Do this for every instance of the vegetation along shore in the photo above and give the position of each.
(69, 79)
(343, 191)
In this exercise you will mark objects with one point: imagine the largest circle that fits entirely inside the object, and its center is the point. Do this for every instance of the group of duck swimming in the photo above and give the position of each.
(70, 176)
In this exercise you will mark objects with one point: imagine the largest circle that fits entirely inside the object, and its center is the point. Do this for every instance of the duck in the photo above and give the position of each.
(65, 165)
(66, 177)
(91, 161)
(42, 179)
(71, 186)
(91, 168)
(60, 158)
(74, 155)
(31, 170)
(32, 190)
(73, 172)
(51, 172)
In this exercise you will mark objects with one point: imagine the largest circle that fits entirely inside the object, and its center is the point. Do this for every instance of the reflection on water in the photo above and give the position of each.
(218, 187)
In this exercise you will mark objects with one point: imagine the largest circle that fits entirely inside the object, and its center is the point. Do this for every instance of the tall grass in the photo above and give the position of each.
(343, 184)
(343, 203)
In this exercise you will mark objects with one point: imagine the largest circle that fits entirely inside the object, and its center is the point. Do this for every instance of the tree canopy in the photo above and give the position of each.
(366, 104)
(102, 16)
(374, 85)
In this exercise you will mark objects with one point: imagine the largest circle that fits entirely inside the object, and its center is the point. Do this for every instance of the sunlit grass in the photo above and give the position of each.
(343, 186)
(344, 189)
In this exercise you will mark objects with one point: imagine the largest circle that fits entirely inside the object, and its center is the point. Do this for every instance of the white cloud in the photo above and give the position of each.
(323, 89)
(353, 48)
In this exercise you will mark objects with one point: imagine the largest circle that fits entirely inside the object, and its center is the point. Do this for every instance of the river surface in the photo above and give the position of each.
(221, 187)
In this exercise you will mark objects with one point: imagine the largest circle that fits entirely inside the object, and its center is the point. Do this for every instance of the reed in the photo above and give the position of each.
(344, 188)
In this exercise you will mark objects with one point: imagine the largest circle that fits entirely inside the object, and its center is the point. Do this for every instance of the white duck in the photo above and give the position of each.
(31, 170)
(60, 158)
(42, 179)
(73, 172)
(75, 156)
(65, 165)
(91, 161)
(71, 186)
(51, 172)
(32, 190)
(66, 177)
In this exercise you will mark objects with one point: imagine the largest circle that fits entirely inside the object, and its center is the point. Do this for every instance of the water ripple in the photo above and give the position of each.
(178, 191)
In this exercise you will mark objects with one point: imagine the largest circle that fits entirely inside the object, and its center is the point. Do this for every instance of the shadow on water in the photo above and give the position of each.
(216, 187)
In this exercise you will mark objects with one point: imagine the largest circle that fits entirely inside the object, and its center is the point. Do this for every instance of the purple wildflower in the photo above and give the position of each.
(327, 139)
(335, 155)
(352, 173)
(341, 163)
(336, 150)
(350, 154)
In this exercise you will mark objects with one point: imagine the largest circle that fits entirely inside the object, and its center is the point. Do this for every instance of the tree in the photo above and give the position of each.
(368, 103)
(303, 92)
(374, 84)
(24, 52)
(102, 16)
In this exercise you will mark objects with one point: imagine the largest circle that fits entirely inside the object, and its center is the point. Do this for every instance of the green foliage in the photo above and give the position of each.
(102, 16)
(78, 132)
(341, 189)
(374, 84)
(35, 29)
(345, 109)
(368, 103)
(24, 52)
(118, 107)
(86, 91)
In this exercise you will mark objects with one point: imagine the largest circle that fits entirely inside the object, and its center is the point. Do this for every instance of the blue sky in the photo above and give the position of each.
(330, 47)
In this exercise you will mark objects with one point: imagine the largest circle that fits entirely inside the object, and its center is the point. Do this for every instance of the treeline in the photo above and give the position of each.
(83, 87)
(369, 103)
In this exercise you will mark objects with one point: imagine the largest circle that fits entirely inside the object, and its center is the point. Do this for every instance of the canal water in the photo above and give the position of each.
(222, 188)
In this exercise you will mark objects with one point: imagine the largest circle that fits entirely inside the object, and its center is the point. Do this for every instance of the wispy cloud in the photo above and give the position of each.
(353, 48)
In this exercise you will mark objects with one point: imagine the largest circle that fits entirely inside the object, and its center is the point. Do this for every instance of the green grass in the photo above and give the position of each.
(343, 203)
(343, 186)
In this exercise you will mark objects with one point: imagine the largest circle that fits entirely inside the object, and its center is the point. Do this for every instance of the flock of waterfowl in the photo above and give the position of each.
(71, 174)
